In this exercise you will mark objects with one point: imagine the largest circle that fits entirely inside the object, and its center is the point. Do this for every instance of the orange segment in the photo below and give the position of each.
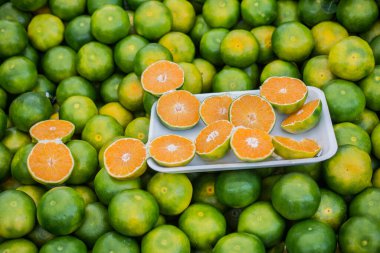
(251, 144)
(292, 149)
(50, 162)
(125, 158)
(252, 111)
(215, 108)
(52, 130)
(172, 150)
(178, 109)
(162, 76)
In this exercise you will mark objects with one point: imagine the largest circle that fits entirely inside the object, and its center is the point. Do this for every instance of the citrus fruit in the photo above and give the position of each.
(172, 192)
(237, 189)
(93, 5)
(58, 63)
(376, 178)
(203, 224)
(292, 41)
(74, 86)
(213, 141)
(78, 32)
(67, 10)
(34, 192)
(130, 93)
(9, 12)
(215, 108)
(28, 109)
(285, 94)
(178, 109)
(192, 78)
(252, 111)
(172, 150)
(204, 191)
(152, 20)
(251, 144)
(17, 215)
(32, 54)
(238, 242)
(349, 133)
(326, 34)
(366, 203)
(351, 59)
(183, 15)
(375, 46)
(311, 12)
(45, 87)
(50, 130)
(17, 75)
(149, 54)
(210, 45)
(263, 35)
(3, 98)
(316, 72)
(118, 112)
(312, 169)
(287, 11)
(162, 76)
(359, 234)
(180, 46)
(109, 24)
(148, 101)
(351, 15)
(289, 148)
(332, 209)
(296, 196)
(199, 28)
(27, 5)
(375, 138)
(78, 110)
(64, 244)
(94, 225)
(367, 120)
(95, 61)
(3, 123)
(345, 100)
(113, 241)
(262, 220)
(13, 38)
(311, 236)
(50, 162)
(133, 212)
(207, 71)
(86, 193)
(109, 88)
(279, 68)
(165, 239)
(348, 171)
(15, 139)
(19, 167)
(304, 119)
(45, 31)
(259, 13)
(221, 13)
(370, 87)
(5, 161)
(85, 162)
(125, 51)
(138, 128)
(18, 245)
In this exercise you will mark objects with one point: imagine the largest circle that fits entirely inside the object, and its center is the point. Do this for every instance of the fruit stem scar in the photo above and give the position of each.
(252, 142)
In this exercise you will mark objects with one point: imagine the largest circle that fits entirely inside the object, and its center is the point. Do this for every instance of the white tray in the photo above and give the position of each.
(323, 133)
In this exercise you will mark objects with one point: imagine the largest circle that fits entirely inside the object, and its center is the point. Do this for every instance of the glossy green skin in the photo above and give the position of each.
(19, 166)
(20, 245)
(64, 244)
(375, 139)
(58, 63)
(78, 32)
(264, 13)
(204, 191)
(28, 5)
(210, 45)
(15, 139)
(231, 79)
(67, 10)
(11, 13)
(366, 203)
(246, 241)
(5, 161)
(115, 242)
(312, 12)
(349, 133)
(219, 13)
(124, 53)
(13, 38)
(279, 68)
(3, 123)
(74, 86)
(149, 54)
(370, 87)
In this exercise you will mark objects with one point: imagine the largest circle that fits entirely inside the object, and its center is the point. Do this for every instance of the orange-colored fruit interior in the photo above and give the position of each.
(252, 143)
(124, 156)
(306, 145)
(283, 90)
(51, 129)
(253, 112)
(213, 136)
(215, 108)
(50, 161)
(162, 76)
(179, 108)
(171, 148)
(304, 112)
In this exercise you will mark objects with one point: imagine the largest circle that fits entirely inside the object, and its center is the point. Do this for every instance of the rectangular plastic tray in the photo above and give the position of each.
(323, 133)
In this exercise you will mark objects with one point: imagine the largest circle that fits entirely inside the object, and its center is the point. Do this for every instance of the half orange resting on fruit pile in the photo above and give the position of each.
(286, 94)
(172, 150)
(215, 108)
(162, 76)
(289, 148)
(52, 130)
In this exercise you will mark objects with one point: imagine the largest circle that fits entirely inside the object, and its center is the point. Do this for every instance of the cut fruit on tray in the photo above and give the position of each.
(215, 108)
(290, 148)
(49, 130)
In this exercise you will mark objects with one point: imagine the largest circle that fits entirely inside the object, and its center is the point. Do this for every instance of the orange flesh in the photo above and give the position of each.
(306, 145)
(215, 108)
(124, 156)
(212, 136)
(50, 162)
(283, 90)
(51, 129)
(162, 76)
(171, 148)
(252, 143)
(178, 108)
(303, 113)
(253, 112)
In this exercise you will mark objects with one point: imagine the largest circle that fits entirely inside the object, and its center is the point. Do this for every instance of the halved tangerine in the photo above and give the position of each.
(252, 111)
(52, 129)
(172, 150)
(290, 148)
(286, 94)
(178, 110)
(162, 76)
(215, 108)
(213, 141)
(251, 145)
